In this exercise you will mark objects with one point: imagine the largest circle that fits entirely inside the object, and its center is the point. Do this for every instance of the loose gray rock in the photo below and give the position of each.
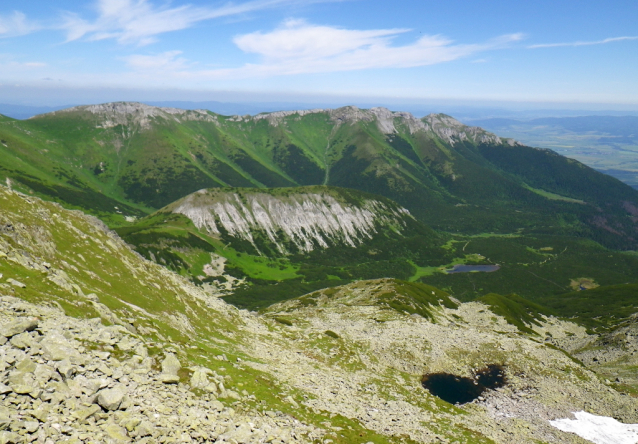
(199, 380)
(66, 369)
(9, 437)
(169, 379)
(31, 426)
(55, 347)
(84, 414)
(117, 433)
(19, 326)
(110, 399)
(171, 365)
(16, 283)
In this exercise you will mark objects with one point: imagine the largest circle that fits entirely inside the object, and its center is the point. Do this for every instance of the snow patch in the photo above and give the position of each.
(598, 429)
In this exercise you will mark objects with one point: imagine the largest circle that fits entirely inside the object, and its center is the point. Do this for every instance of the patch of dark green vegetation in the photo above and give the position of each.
(544, 169)
(572, 358)
(228, 174)
(332, 334)
(297, 165)
(283, 321)
(537, 268)
(404, 147)
(261, 173)
(548, 170)
(358, 170)
(262, 294)
(164, 239)
(516, 310)
(77, 195)
(599, 309)
(415, 298)
(377, 258)
(164, 184)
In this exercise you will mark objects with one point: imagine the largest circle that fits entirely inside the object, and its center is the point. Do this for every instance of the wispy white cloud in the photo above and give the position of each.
(298, 47)
(11, 64)
(169, 61)
(298, 40)
(140, 21)
(16, 24)
(596, 42)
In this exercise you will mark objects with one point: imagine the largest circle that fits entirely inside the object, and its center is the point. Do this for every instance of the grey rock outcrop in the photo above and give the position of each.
(18, 326)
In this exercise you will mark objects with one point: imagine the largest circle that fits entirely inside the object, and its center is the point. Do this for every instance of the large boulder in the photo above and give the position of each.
(199, 379)
(56, 347)
(19, 326)
(111, 399)
(171, 365)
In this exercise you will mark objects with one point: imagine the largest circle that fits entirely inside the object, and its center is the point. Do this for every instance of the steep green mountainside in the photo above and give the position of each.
(258, 246)
(117, 348)
(453, 177)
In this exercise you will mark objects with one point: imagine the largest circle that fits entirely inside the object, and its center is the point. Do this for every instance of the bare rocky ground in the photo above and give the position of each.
(100, 345)
(74, 380)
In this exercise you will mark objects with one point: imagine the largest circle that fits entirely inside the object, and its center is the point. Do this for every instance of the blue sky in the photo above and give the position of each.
(566, 52)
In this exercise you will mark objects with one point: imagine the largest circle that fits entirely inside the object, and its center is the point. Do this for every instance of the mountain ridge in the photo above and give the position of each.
(450, 176)
(442, 124)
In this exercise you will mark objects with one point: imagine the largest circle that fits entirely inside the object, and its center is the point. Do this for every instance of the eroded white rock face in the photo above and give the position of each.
(306, 219)
(452, 131)
(598, 429)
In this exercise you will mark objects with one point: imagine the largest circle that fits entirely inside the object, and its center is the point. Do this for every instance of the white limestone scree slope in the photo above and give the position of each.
(309, 220)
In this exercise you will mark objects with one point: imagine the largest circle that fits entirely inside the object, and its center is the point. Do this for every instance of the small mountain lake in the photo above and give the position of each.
(459, 389)
(463, 268)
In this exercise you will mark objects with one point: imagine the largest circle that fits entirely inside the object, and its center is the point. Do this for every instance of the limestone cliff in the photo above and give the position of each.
(307, 219)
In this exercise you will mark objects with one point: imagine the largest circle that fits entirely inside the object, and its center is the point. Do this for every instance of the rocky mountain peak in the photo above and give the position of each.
(444, 126)
(132, 113)
(451, 130)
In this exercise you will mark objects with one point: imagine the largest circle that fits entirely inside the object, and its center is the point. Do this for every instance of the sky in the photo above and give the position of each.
(565, 52)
